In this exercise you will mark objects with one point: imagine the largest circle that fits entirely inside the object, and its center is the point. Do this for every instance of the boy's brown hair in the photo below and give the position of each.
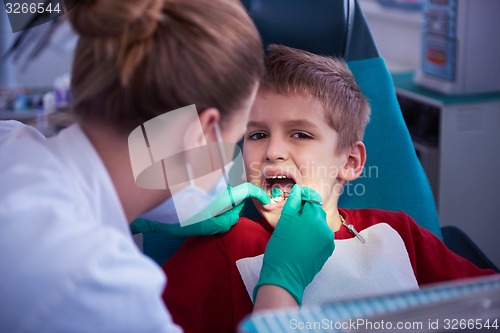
(328, 80)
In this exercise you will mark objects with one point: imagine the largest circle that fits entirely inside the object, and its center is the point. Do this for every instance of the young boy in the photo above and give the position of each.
(305, 128)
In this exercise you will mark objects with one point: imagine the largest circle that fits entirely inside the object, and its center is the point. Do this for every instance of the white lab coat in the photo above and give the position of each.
(67, 260)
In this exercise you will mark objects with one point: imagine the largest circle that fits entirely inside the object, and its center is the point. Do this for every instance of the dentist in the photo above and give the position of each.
(69, 263)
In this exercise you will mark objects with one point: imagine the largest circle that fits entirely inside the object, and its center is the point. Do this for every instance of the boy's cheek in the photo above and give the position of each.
(253, 180)
(322, 187)
(252, 174)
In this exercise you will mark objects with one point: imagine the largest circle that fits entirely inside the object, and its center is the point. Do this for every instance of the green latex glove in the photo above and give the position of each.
(299, 246)
(210, 225)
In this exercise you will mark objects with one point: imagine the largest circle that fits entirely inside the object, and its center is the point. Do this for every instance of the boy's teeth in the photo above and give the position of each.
(277, 177)
(277, 199)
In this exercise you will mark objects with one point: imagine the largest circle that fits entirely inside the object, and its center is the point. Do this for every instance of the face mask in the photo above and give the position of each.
(192, 201)
(185, 203)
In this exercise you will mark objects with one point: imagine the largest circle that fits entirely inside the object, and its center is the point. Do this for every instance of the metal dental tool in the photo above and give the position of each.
(351, 228)
(277, 193)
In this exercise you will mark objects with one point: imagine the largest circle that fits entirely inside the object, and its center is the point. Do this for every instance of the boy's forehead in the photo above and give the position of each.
(270, 106)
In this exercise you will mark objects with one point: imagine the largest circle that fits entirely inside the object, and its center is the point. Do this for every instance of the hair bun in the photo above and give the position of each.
(112, 18)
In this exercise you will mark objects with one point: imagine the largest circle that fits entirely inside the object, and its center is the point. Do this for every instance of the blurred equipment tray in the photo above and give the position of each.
(463, 306)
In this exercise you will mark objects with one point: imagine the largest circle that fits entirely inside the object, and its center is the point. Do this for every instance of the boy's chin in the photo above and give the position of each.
(271, 213)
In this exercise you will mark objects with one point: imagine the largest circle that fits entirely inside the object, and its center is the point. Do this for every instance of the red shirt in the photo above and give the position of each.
(205, 292)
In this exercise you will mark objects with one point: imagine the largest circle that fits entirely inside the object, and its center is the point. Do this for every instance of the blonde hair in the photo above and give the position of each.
(328, 80)
(137, 59)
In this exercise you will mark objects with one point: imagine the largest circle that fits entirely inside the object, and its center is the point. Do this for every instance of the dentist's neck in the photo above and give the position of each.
(112, 148)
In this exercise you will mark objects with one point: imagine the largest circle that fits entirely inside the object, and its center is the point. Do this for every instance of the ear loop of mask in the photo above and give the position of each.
(189, 168)
(218, 136)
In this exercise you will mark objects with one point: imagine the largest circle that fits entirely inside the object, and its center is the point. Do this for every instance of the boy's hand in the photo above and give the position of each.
(299, 246)
(213, 225)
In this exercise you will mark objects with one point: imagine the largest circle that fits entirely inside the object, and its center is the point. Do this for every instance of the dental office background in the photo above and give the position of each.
(397, 27)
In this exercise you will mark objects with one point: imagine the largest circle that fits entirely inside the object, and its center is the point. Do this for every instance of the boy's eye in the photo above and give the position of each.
(301, 135)
(257, 136)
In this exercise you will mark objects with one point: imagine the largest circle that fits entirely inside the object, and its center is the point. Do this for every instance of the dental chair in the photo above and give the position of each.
(394, 178)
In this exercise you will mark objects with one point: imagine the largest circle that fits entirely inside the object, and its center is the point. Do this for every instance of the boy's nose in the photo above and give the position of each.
(276, 150)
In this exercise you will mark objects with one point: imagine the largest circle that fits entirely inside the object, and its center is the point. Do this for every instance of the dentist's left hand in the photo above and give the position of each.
(210, 226)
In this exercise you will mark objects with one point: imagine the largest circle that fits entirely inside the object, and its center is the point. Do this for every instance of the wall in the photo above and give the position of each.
(397, 33)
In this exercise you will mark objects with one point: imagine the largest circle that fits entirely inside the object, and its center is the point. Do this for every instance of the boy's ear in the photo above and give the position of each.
(356, 159)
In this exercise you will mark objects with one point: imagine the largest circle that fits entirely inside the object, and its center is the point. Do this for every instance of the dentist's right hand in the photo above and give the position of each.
(299, 246)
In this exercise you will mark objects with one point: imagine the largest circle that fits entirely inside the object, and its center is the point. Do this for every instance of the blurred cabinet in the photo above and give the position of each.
(457, 140)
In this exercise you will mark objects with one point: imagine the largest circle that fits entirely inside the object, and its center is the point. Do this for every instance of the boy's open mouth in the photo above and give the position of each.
(282, 182)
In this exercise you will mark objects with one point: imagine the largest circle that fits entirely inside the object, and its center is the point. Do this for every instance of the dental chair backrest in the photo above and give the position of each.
(394, 178)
